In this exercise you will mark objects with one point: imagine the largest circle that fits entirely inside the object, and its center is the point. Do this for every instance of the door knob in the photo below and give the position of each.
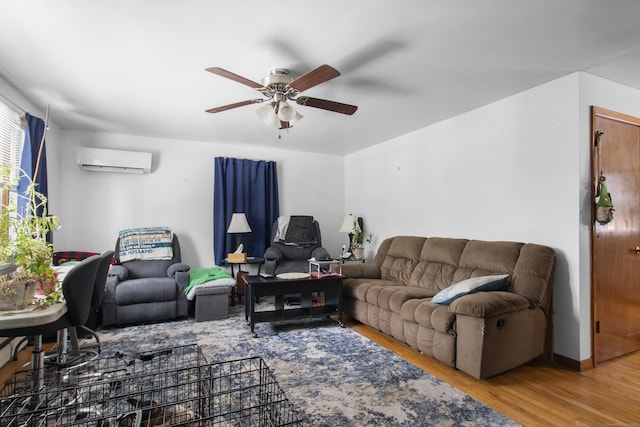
(637, 249)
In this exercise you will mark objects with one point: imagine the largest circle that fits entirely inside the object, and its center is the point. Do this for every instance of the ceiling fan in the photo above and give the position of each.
(278, 88)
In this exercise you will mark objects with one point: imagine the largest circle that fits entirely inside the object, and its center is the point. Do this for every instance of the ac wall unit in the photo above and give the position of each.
(103, 160)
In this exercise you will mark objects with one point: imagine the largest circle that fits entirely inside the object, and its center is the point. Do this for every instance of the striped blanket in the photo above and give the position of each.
(146, 243)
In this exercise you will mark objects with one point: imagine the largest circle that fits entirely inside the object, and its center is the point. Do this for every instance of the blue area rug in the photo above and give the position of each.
(332, 376)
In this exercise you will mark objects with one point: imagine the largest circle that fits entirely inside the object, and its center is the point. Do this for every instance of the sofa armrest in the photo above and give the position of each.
(321, 254)
(119, 271)
(177, 267)
(110, 288)
(489, 304)
(360, 270)
(182, 280)
(273, 253)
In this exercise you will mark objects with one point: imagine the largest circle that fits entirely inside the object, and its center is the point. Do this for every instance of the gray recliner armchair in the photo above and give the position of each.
(146, 290)
(290, 252)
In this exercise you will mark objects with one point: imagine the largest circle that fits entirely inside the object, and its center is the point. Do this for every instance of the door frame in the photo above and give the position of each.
(623, 118)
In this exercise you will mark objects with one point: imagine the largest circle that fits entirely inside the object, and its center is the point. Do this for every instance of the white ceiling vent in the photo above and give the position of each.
(103, 160)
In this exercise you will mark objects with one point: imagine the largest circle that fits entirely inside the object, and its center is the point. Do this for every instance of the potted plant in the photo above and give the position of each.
(23, 242)
(357, 240)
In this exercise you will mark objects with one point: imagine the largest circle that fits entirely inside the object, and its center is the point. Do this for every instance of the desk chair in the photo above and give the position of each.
(77, 288)
(96, 298)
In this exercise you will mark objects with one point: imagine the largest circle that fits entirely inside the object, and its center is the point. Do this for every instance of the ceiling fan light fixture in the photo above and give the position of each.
(286, 112)
(268, 115)
(296, 118)
(278, 88)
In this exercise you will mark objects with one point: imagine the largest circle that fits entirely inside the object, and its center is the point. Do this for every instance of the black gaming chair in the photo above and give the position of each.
(98, 293)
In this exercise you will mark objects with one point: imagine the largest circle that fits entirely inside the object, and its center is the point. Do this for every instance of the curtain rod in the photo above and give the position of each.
(22, 110)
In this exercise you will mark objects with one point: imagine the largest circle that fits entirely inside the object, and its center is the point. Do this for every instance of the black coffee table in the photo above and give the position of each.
(258, 287)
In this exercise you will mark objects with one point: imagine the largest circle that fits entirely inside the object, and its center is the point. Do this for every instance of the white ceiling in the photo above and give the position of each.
(137, 67)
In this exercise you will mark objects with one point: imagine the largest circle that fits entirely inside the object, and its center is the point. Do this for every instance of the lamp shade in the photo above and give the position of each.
(348, 224)
(268, 116)
(239, 224)
(286, 113)
(296, 118)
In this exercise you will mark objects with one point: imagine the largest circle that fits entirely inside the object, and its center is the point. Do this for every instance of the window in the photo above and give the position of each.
(11, 139)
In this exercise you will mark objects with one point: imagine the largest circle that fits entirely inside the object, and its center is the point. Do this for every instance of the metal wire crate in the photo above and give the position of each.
(243, 393)
(164, 387)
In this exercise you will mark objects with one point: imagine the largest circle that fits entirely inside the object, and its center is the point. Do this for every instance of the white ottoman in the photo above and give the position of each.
(212, 303)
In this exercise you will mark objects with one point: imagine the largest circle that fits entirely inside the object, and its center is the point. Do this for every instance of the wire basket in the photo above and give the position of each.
(166, 387)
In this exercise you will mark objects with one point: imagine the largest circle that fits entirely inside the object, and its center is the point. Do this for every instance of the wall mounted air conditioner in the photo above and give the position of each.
(103, 160)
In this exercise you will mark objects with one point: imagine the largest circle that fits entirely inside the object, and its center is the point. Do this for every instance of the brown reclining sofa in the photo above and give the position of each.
(483, 333)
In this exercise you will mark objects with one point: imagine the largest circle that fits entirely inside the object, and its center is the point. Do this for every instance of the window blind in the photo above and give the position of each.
(11, 138)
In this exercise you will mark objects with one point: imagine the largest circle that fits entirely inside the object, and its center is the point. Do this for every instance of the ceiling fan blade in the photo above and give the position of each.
(234, 105)
(236, 78)
(337, 107)
(314, 77)
(371, 52)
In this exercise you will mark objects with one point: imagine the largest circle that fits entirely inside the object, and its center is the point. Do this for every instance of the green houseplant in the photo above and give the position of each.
(357, 240)
(23, 242)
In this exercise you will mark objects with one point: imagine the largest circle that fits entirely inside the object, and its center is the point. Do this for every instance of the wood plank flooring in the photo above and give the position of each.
(533, 395)
(538, 394)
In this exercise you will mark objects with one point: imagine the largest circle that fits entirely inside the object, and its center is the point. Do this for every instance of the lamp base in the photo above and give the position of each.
(233, 257)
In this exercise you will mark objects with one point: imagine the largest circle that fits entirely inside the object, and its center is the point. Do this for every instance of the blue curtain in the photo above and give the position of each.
(29, 161)
(248, 186)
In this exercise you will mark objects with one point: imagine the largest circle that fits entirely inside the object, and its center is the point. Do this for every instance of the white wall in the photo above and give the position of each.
(506, 171)
(94, 206)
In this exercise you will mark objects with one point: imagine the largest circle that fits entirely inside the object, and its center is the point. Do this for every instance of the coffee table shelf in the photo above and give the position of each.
(259, 287)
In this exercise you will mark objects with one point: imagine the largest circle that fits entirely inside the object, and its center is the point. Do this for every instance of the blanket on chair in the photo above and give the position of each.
(300, 231)
(207, 277)
(145, 243)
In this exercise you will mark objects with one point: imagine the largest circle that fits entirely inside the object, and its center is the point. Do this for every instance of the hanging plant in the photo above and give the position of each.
(604, 204)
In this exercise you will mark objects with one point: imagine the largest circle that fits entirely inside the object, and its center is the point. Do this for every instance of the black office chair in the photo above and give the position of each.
(98, 293)
(77, 288)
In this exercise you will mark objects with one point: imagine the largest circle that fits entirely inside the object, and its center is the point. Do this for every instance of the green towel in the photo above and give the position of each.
(202, 275)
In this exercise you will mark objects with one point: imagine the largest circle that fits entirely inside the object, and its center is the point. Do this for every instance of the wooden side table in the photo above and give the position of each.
(238, 290)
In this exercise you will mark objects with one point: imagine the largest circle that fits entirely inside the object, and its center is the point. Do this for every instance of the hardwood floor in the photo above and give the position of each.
(540, 395)
(24, 356)
(533, 395)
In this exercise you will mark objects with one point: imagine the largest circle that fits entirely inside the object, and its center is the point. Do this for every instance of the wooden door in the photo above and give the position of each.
(616, 245)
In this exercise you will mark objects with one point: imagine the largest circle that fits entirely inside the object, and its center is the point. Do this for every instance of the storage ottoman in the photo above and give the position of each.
(212, 303)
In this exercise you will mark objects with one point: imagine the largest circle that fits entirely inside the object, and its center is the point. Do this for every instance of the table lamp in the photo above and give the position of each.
(237, 226)
(347, 227)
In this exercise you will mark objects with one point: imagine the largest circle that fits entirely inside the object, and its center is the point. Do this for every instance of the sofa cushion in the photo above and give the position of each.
(474, 284)
(358, 288)
(443, 321)
(433, 316)
(393, 297)
(402, 257)
(422, 313)
(531, 279)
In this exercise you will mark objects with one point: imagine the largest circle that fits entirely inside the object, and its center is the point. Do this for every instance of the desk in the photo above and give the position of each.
(29, 317)
(19, 323)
